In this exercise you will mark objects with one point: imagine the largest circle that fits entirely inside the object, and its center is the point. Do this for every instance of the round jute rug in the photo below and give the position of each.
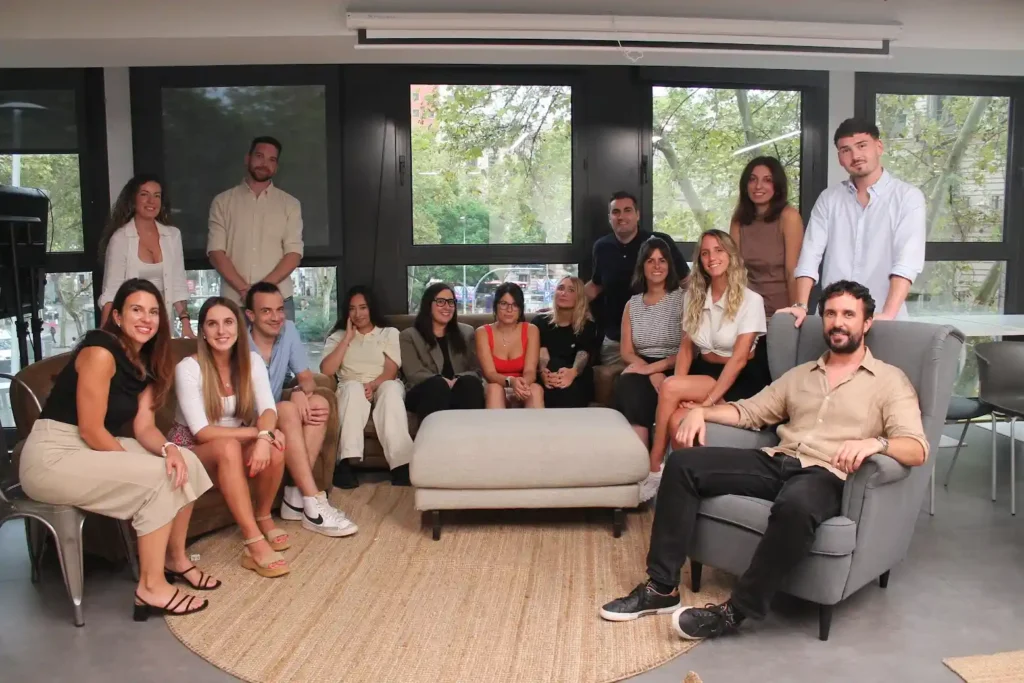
(503, 597)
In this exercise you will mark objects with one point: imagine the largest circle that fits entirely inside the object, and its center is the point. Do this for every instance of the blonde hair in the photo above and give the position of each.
(241, 372)
(700, 282)
(580, 312)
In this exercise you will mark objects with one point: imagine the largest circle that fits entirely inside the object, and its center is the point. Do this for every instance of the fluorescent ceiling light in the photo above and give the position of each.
(412, 29)
(787, 136)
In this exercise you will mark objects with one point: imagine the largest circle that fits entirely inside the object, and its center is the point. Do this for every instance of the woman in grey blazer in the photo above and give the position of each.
(438, 361)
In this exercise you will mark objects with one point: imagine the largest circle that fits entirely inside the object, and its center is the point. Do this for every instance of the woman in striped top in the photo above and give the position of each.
(651, 331)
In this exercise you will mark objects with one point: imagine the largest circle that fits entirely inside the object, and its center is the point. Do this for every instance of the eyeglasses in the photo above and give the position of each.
(508, 306)
(445, 302)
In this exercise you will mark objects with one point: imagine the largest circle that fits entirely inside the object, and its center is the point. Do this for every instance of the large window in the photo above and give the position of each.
(951, 138)
(206, 134)
(474, 285)
(703, 137)
(39, 149)
(491, 164)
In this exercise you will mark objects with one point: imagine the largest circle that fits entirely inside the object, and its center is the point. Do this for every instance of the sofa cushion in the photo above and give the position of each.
(836, 536)
(513, 449)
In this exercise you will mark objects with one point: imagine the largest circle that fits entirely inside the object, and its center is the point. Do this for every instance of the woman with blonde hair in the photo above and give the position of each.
(568, 342)
(722, 320)
(227, 415)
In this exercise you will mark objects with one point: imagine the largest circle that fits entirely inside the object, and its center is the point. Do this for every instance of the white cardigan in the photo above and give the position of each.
(122, 263)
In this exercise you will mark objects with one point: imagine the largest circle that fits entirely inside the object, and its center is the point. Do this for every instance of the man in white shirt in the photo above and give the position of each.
(870, 228)
(255, 231)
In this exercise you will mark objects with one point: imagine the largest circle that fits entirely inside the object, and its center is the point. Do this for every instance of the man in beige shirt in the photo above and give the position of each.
(832, 414)
(255, 231)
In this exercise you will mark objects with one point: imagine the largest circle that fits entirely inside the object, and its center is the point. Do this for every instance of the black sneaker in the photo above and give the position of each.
(400, 476)
(642, 601)
(344, 476)
(710, 621)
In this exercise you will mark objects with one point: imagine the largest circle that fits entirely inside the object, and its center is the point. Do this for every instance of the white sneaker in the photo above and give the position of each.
(291, 505)
(327, 520)
(649, 486)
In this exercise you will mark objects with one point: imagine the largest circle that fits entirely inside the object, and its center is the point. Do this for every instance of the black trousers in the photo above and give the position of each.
(636, 398)
(804, 497)
(579, 394)
(434, 394)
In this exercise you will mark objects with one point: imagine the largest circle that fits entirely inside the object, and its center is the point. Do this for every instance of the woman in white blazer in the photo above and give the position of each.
(137, 242)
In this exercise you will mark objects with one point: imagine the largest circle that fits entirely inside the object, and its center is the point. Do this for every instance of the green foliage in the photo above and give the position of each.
(498, 156)
(58, 176)
(696, 135)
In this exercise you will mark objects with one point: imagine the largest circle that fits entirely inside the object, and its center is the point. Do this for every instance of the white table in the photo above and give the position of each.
(995, 325)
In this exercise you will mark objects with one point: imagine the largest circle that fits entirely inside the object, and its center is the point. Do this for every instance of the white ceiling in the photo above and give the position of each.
(965, 36)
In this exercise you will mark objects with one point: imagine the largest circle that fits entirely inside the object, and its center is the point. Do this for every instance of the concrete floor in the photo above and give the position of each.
(958, 593)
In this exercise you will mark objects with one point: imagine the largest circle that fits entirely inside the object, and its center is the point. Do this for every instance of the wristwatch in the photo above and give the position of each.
(267, 435)
(803, 306)
(885, 444)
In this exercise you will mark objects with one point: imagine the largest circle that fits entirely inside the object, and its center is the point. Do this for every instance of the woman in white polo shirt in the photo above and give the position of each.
(364, 356)
(722, 321)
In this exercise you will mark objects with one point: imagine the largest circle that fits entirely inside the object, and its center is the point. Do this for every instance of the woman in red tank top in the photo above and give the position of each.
(508, 350)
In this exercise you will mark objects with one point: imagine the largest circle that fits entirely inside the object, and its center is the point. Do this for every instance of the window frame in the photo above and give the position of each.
(94, 184)
(147, 84)
(412, 254)
(815, 136)
(869, 85)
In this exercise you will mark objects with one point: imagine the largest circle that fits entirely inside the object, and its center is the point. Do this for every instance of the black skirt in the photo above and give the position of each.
(752, 378)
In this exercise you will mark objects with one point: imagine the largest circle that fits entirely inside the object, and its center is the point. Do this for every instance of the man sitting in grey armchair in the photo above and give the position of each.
(831, 415)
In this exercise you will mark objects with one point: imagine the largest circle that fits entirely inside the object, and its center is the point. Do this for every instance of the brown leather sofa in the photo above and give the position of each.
(604, 385)
(211, 511)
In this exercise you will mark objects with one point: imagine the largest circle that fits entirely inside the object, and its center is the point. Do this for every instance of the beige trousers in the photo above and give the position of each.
(389, 420)
(58, 467)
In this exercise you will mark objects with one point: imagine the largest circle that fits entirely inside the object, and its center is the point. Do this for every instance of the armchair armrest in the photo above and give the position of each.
(877, 470)
(734, 437)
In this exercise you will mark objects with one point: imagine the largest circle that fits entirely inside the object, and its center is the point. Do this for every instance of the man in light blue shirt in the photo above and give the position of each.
(302, 418)
(869, 229)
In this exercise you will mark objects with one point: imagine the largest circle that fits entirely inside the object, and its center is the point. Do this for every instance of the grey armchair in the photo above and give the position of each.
(881, 501)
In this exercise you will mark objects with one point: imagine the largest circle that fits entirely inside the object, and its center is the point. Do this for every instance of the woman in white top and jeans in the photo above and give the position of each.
(722, 321)
(137, 242)
(227, 416)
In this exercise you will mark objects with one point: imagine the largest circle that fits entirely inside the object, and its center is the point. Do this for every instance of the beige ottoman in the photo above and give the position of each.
(551, 458)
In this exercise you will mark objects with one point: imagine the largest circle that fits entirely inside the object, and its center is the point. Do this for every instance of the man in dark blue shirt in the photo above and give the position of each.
(614, 261)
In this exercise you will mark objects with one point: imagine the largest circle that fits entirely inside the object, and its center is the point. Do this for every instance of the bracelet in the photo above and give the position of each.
(183, 316)
(163, 449)
(266, 435)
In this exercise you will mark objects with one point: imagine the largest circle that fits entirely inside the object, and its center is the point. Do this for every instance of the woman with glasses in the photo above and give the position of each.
(364, 355)
(439, 363)
(509, 349)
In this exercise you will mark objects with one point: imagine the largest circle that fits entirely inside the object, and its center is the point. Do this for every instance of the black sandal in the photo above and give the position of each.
(145, 610)
(206, 582)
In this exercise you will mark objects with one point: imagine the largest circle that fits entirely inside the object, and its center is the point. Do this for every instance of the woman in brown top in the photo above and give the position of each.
(769, 232)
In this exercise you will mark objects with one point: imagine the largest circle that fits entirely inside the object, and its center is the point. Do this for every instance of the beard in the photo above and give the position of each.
(260, 175)
(852, 343)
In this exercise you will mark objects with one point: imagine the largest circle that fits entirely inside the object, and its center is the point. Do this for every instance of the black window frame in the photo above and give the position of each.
(147, 84)
(575, 251)
(868, 85)
(94, 183)
(815, 136)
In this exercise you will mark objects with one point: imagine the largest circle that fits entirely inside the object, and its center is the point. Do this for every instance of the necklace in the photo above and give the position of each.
(504, 341)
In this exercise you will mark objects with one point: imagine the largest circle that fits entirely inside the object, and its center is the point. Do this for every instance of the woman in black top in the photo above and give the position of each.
(438, 360)
(568, 342)
(118, 375)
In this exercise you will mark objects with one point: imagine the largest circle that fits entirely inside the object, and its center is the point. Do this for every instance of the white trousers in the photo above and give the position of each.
(389, 419)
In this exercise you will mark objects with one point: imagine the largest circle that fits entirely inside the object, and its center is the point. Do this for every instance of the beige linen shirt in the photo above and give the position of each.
(255, 231)
(814, 420)
(364, 358)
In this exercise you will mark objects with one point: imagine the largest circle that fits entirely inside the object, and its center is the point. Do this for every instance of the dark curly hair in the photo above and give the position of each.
(854, 289)
(123, 209)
